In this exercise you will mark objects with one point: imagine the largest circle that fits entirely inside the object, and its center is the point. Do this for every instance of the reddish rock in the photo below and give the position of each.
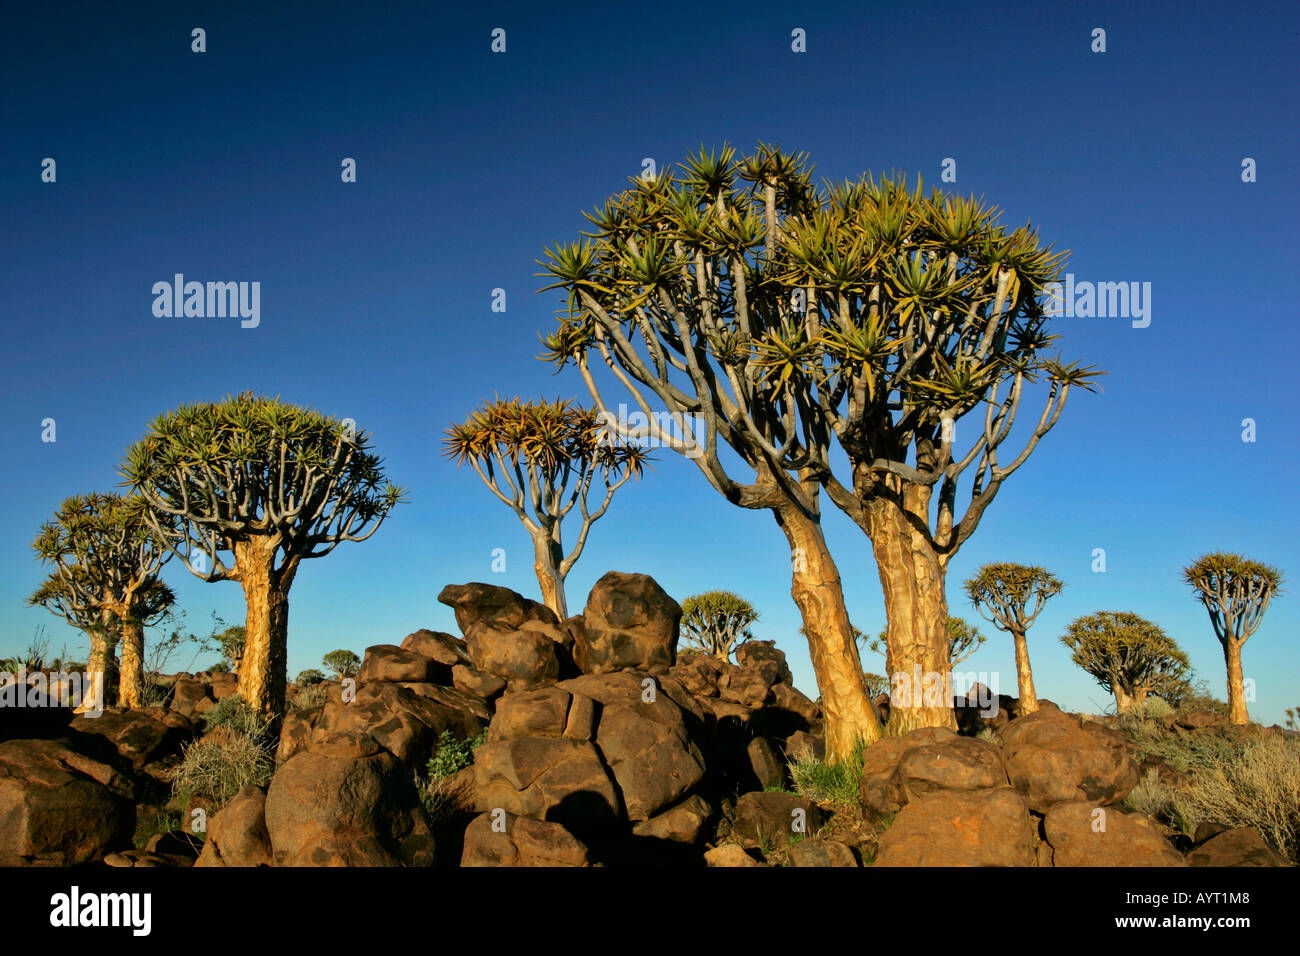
(816, 851)
(1240, 846)
(387, 662)
(237, 834)
(520, 841)
(1053, 757)
(960, 828)
(1082, 833)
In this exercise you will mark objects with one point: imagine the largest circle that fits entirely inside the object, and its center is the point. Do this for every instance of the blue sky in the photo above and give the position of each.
(376, 295)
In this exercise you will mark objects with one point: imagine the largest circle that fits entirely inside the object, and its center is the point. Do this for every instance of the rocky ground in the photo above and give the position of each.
(603, 746)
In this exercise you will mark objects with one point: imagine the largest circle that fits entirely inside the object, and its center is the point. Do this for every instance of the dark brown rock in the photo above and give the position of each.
(547, 778)
(771, 818)
(346, 802)
(59, 807)
(1240, 846)
(755, 652)
(237, 834)
(683, 823)
(520, 841)
(959, 763)
(1053, 757)
(629, 621)
(387, 662)
(816, 851)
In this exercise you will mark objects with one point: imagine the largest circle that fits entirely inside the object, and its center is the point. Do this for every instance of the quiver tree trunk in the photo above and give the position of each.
(1237, 712)
(1124, 702)
(1024, 675)
(131, 680)
(815, 586)
(263, 668)
(547, 558)
(912, 578)
(101, 666)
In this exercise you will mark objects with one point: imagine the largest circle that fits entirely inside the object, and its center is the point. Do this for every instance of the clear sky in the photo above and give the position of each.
(376, 295)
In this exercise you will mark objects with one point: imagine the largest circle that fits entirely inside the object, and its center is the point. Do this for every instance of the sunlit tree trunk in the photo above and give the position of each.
(101, 666)
(547, 556)
(1237, 712)
(1124, 702)
(912, 577)
(263, 669)
(815, 586)
(131, 686)
(1024, 675)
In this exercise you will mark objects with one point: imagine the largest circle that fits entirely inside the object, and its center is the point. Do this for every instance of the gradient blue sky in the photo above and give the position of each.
(376, 295)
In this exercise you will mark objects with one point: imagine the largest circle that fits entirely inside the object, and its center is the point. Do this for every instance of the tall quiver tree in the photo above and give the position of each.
(252, 487)
(1236, 592)
(1128, 655)
(543, 458)
(787, 319)
(106, 555)
(1010, 597)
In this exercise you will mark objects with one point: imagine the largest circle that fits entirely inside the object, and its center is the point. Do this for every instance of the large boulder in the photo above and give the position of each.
(643, 736)
(506, 634)
(346, 802)
(387, 662)
(879, 789)
(756, 652)
(446, 649)
(504, 839)
(960, 763)
(547, 778)
(629, 621)
(59, 807)
(1239, 846)
(191, 697)
(237, 835)
(960, 828)
(139, 736)
(1054, 757)
(683, 823)
(1082, 833)
(405, 723)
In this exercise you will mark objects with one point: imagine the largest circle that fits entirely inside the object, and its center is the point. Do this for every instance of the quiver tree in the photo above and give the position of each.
(106, 555)
(784, 319)
(245, 490)
(543, 458)
(1236, 592)
(342, 663)
(1128, 655)
(716, 623)
(1010, 597)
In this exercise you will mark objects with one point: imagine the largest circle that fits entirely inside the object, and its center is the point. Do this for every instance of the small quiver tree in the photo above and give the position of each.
(716, 623)
(1010, 597)
(1129, 656)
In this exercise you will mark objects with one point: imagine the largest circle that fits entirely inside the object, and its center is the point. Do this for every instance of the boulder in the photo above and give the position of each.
(771, 818)
(59, 807)
(756, 652)
(1240, 846)
(403, 722)
(387, 662)
(699, 673)
(223, 684)
(645, 741)
(191, 697)
(729, 854)
(139, 736)
(767, 767)
(468, 678)
(819, 852)
(960, 828)
(749, 686)
(879, 789)
(536, 713)
(1053, 757)
(801, 745)
(237, 835)
(1083, 833)
(683, 823)
(296, 731)
(629, 621)
(547, 778)
(1200, 720)
(346, 802)
(446, 649)
(520, 841)
(958, 763)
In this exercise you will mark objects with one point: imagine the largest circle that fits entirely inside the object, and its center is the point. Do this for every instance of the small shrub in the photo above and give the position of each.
(309, 677)
(453, 754)
(236, 714)
(216, 766)
(310, 697)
